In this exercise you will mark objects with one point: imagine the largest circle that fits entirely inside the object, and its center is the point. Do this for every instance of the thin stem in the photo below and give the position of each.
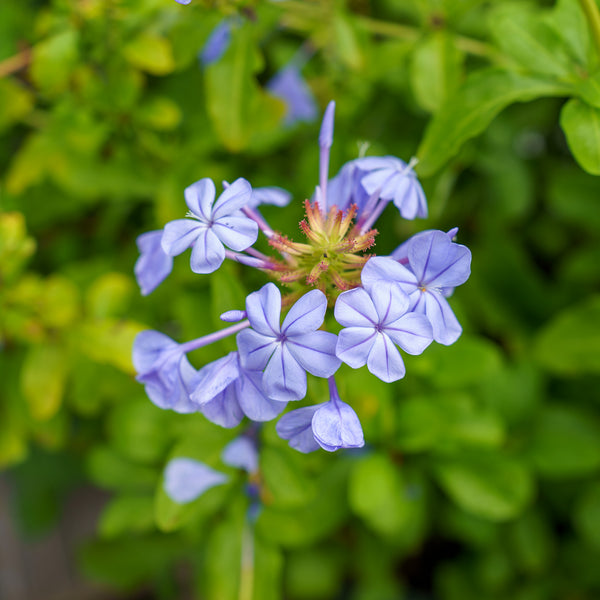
(214, 337)
(259, 220)
(15, 63)
(412, 34)
(590, 8)
(249, 261)
(247, 566)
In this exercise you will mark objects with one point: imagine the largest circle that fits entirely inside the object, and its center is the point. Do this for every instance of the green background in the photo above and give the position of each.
(480, 475)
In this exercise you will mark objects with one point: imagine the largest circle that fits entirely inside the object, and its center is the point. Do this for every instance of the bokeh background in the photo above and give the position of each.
(479, 480)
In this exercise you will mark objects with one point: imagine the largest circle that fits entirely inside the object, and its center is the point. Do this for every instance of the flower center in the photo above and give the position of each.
(333, 256)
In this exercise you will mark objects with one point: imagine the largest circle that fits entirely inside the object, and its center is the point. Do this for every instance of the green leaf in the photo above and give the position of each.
(233, 96)
(15, 103)
(469, 361)
(109, 296)
(150, 52)
(160, 113)
(490, 486)
(125, 514)
(348, 41)
(435, 70)
(15, 245)
(565, 443)
(109, 341)
(377, 494)
(587, 515)
(531, 542)
(53, 61)
(284, 479)
(483, 95)
(570, 343)
(581, 124)
(307, 524)
(589, 89)
(112, 471)
(43, 379)
(569, 22)
(522, 34)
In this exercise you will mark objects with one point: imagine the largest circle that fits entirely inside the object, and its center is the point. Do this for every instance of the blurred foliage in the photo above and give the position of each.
(480, 478)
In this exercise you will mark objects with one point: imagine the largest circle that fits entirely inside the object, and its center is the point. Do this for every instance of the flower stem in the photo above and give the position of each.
(214, 337)
(590, 8)
(247, 566)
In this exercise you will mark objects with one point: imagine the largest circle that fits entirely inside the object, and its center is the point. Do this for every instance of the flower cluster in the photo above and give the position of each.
(341, 303)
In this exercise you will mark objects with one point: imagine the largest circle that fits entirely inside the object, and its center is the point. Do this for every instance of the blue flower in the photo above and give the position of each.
(395, 181)
(296, 426)
(164, 370)
(224, 392)
(335, 424)
(153, 266)
(346, 189)
(269, 195)
(241, 453)
(286, 352)
(331, 425)
(211, 226)
(289, 86)
(375, 320)
(187, 479)
(434, 266)
(217, 43)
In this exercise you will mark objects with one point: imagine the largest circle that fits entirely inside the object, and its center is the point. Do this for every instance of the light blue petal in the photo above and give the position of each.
(389, 300)
(208, 253)
(412, 332)
(235, 197)
(236, 231)
(354, 344)
(385, 268)
(241, 453)
(384, 360)
(355, 308)
(296, 426)
(214, 378)
(224, 409)
(315, 352)
(179, 235)
(335, 425)
(255, 349)
(306, 314)
(199, 198)
(153, 266)
(446, 328)
(187, 479)
(253, 400)
(284, 379)
(264, 309)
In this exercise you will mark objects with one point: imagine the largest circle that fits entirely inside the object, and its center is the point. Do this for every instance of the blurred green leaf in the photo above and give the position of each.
(125, 514)
(284, 478)
(520, 32)
(109, 341)
(378, 494)
(43, 379)
(15, 245)
(109, 296)
(435, 70)
(483, 95)
(160, 113)
(531, 542)
(53, 60)
(581, 124)
(587, 515)
(570, 343)
(15, 103)
(565, 442)
(110, 470)
(491, 486)
(150, 52)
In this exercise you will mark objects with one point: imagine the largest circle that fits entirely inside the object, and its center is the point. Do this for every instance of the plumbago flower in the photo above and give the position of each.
(341, 304)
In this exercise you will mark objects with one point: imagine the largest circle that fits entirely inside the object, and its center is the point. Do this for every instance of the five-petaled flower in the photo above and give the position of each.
(211, 225)
(288, 351)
